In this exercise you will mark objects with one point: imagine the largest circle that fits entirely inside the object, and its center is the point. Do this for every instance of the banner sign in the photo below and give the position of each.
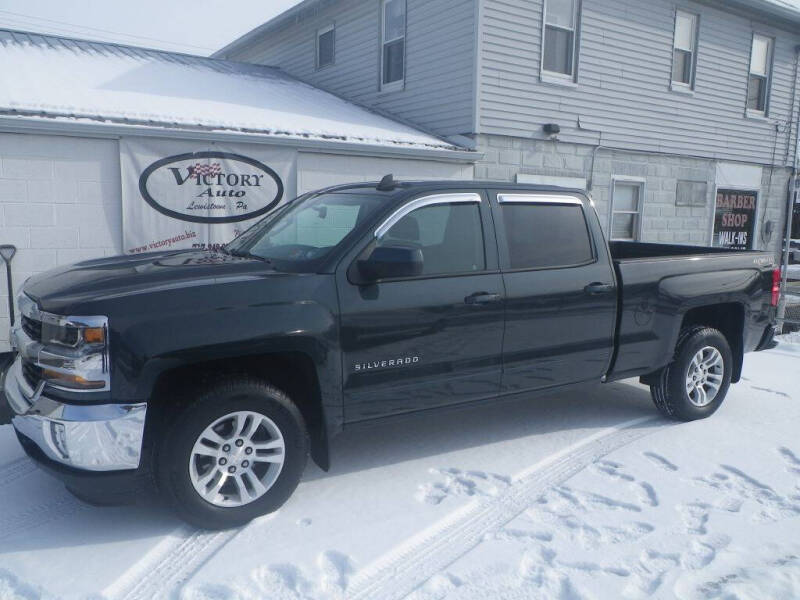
(176, 195)
(734, 219)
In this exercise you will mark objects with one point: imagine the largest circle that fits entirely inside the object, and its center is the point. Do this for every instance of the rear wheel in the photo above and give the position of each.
(695, 383)
(237, 452)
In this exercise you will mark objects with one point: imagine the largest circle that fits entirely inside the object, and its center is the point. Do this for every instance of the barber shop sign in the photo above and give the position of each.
(196, 199)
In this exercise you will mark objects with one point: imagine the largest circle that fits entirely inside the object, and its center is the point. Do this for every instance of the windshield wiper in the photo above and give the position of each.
(246, 254)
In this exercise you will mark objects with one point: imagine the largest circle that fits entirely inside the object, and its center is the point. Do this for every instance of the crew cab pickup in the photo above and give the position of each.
(211, 375)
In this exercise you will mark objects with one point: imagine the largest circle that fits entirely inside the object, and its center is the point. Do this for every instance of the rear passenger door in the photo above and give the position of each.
(560, 290)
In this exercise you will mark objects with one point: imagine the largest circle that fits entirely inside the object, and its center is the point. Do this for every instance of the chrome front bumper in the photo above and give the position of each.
(105, 437)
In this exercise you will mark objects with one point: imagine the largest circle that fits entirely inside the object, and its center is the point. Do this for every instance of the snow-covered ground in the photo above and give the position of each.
(585, 494)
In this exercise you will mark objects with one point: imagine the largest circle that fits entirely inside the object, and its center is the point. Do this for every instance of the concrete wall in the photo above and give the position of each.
(59, 203)
(663, 220)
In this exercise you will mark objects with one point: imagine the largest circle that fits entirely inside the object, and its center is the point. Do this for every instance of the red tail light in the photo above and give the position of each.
(776, 287)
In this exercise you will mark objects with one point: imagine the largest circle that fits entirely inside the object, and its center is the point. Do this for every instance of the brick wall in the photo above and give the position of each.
(59, 203)
(663, 219)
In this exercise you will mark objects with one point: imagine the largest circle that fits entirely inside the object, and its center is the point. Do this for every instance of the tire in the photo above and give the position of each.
(181, 465)
(671, 393)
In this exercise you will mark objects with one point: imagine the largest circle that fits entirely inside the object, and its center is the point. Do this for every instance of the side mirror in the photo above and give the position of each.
(388, 262)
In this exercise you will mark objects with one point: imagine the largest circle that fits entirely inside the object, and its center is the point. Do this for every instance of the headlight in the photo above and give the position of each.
(70, 353)
(72, 332)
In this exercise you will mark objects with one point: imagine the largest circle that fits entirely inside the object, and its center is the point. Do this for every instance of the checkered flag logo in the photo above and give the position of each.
(201, 170)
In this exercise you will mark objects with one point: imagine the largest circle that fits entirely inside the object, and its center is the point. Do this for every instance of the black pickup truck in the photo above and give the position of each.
(211, 375)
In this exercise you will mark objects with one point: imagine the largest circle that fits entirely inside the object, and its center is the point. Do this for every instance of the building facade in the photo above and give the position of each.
(679, 116)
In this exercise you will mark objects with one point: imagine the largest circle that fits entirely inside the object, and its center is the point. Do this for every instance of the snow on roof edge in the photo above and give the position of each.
(166, 126)
(378, 130)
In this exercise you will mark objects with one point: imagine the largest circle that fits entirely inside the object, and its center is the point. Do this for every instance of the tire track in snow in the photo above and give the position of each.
(61, 504)
(163, 571)
(14, 470)
(402, 570)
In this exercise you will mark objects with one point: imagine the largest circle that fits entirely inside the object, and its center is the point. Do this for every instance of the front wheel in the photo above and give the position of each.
(695, 383)
(237, 452)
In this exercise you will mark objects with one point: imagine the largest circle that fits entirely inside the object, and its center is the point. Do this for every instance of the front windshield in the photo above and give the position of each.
(307, 229)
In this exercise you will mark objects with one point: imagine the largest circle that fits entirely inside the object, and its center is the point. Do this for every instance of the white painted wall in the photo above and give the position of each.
(60, 197)
(316, 170)
(59, 203)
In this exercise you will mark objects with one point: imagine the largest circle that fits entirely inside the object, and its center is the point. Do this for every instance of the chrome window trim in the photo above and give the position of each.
(537, 199)
(460, 198)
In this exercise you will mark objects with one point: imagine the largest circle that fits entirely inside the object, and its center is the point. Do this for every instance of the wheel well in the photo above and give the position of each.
(294, 373)
(728, 318)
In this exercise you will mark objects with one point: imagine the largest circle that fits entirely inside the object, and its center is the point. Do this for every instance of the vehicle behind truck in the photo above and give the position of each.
(210, 376)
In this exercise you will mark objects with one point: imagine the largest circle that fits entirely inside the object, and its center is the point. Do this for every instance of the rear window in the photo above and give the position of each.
(546, 235)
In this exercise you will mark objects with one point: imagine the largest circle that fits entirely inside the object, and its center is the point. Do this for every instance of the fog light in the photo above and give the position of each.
(58, 434)
(71, 381)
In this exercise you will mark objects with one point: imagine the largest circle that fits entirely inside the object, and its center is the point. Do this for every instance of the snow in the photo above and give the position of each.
(46, 77)
(583, 494)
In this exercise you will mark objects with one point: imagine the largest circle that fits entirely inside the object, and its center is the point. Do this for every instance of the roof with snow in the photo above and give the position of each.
(50, 77)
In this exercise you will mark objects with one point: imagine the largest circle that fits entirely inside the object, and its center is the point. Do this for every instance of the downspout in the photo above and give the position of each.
(790, 192)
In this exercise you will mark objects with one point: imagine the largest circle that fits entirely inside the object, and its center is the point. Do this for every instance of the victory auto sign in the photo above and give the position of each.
(210, 187)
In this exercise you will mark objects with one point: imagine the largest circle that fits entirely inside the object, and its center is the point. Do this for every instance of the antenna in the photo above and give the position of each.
(387, 184)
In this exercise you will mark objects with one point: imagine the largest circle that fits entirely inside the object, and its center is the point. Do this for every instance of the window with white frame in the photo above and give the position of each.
(626, 210)
(393, 43)
(560, 37)
(326, 46)
(759, 80)
(684, 49)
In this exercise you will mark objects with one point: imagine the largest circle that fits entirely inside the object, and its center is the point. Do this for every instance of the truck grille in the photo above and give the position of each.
(32, 328)
(31, 373)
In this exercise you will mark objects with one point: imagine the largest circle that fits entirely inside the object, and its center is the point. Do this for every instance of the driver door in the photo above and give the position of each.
(433, 339)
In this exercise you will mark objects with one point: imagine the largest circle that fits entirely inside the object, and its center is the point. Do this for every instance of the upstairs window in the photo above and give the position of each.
(684, 49)
(393, 43)
(759, 80)
(326, 46)
(560, 37)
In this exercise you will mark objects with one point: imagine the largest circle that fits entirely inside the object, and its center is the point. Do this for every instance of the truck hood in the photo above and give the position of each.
(65, 289)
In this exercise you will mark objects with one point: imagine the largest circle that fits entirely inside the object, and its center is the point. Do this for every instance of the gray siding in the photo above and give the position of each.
(440, 56)
(624, 76)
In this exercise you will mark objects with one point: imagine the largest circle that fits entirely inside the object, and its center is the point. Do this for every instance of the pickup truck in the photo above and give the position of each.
(211, 375)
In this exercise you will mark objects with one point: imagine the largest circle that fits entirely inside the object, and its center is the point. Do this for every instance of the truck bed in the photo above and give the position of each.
(659, 284)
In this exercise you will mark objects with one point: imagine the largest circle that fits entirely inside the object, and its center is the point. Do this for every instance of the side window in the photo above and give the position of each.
(449, 235)
(393, 43)
(560, 37)
(541, 235)
(626, 210)
(758, 82)
(326, 46)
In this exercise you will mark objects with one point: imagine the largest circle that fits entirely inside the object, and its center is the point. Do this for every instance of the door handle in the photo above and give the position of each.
(481, 298)
(596, 288)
